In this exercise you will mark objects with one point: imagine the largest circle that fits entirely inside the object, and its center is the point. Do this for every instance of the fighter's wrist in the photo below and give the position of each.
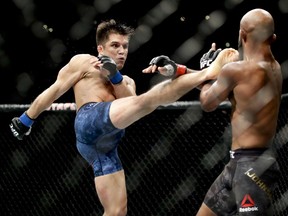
(181, 69)
(116, 78)
(26, 120)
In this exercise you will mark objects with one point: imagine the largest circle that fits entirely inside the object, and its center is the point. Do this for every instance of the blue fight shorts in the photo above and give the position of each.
(97, 139)
(246, 184)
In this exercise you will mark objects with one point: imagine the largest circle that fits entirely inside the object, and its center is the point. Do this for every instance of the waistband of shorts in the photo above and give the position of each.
(87, 104)
(247, 152)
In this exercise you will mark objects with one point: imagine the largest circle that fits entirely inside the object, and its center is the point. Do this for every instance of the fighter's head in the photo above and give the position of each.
(257, 25)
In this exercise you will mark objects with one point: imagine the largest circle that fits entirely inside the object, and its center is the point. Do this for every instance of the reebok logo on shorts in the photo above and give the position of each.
(248, 204)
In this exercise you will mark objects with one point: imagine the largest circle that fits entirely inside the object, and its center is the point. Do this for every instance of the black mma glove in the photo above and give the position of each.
(172, 68)
(208, 58)
(109, 64)
(21, 126)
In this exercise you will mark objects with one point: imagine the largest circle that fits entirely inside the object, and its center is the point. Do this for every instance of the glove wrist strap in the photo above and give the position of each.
(117, 78)
(26, 120)
(181, 69)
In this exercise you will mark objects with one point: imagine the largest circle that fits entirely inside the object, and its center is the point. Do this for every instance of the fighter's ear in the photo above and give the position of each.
(99, 48)
(274, 37)
(243, 35)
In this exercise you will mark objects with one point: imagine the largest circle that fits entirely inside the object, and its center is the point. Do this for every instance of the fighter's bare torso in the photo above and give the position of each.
(254, 120)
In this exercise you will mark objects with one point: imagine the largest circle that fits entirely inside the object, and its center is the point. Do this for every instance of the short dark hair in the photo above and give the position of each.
(105, 28)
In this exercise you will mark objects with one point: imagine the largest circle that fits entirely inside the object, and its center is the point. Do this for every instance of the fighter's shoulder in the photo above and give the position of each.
(234, 66)
(243, 69)
(81, 62)
(81, 57)
(78, 64)
(127, 78)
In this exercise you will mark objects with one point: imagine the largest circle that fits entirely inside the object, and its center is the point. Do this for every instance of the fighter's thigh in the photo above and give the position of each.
(252, 189)
(220, 198)
(111, 189)
(125, 111)
(205, 211)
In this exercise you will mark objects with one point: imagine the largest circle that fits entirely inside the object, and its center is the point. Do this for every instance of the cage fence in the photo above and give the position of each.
(170, 157)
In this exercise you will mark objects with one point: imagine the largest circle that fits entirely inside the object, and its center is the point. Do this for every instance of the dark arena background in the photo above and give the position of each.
(170, 156)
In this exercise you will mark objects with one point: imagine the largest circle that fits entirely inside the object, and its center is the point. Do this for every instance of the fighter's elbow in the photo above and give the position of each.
(208, 108)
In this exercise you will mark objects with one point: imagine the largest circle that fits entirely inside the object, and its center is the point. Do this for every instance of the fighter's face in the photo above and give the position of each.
(116, 47)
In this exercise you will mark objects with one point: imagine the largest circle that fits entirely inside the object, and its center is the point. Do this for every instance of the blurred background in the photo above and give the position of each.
(38, 37)
(171, 156)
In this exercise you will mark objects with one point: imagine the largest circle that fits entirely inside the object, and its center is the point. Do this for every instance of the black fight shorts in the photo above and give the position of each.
(246, 184)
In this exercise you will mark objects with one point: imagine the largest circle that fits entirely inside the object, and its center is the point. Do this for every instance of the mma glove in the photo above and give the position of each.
(109, 64)
(173, 69)
(21, 126)
(208, 58)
